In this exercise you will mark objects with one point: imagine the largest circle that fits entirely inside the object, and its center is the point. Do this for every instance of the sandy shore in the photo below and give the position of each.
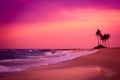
(103, 65)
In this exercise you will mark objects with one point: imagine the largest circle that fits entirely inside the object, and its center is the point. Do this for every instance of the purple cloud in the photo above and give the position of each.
(9, 9)
(88, 3)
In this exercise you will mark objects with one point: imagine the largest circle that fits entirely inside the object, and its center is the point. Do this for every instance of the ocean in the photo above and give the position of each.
(21, 59)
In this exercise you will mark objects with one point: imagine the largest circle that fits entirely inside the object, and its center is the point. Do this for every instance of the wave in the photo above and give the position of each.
(46, 59)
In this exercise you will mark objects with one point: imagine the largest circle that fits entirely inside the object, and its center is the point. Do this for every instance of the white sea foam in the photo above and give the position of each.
(48, 58)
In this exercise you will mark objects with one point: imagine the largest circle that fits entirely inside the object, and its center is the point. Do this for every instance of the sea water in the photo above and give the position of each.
(22, 59)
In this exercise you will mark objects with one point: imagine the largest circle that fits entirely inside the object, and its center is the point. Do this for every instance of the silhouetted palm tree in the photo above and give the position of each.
(104, 39)
(99, 35)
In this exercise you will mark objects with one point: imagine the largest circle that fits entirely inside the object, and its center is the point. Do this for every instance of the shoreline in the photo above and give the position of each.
(103, 65)
(11, 65)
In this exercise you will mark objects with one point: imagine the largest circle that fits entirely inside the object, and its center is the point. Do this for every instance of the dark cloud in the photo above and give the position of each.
(9, 9)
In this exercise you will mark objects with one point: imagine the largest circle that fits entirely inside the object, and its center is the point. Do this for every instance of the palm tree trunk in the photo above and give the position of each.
(104, 43)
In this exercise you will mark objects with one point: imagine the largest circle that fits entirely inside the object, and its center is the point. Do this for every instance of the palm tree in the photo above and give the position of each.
(104, 39)
(99, 35)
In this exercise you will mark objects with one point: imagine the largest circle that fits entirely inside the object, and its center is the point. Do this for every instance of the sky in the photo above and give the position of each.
(58, 23)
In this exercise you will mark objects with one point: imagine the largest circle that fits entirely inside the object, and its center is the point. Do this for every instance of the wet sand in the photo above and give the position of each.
(102, 65)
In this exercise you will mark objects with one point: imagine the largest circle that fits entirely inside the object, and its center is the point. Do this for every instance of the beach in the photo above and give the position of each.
(102, 65)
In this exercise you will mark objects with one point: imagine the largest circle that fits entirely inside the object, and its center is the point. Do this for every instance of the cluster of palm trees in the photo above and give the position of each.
(103, 39)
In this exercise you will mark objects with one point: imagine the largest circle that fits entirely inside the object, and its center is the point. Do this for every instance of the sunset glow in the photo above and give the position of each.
(45, 24)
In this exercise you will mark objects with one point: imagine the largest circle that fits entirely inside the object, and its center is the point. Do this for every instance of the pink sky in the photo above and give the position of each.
(49, 25)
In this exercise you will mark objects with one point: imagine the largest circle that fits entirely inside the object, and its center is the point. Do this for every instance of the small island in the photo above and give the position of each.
(103, 40)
